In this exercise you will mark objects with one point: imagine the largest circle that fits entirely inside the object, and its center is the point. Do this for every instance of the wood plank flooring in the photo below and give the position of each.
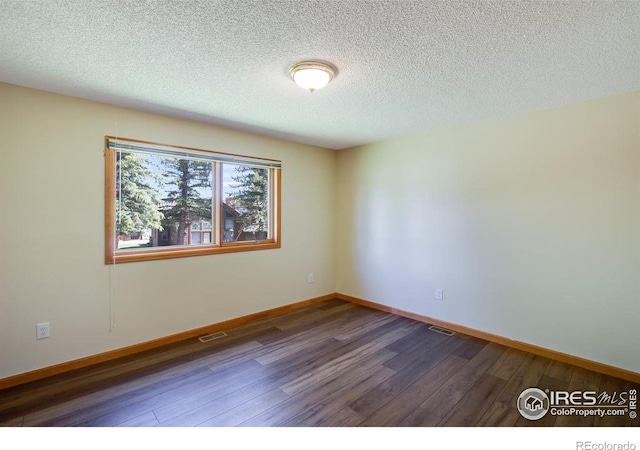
(329, 364)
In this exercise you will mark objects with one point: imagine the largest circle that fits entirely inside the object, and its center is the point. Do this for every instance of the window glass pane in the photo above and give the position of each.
(158, 198)
(206, 238)
(186, 196)
(137, 200)
(195, 237)
(246, 207)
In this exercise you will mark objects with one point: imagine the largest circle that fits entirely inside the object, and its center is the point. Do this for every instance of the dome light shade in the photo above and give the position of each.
(312, 75)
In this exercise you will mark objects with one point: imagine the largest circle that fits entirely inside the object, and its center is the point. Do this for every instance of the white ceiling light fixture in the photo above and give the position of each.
(312, 75)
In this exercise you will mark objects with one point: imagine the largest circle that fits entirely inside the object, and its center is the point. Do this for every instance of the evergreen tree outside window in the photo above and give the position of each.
(248, 194)
(137, 200)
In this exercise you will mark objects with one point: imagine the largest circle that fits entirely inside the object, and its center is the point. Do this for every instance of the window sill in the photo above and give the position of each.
(151, 254)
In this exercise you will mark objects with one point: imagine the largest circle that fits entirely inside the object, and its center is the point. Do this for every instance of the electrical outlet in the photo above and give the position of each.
(439, 294)
(310, 278)
(43, 330)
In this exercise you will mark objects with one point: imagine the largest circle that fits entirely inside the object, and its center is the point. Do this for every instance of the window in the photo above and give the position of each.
(165, 201)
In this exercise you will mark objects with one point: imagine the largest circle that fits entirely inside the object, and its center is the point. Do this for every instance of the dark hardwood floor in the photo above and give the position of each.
(329, 364)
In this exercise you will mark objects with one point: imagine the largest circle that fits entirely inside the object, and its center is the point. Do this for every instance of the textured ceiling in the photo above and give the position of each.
(403, 66)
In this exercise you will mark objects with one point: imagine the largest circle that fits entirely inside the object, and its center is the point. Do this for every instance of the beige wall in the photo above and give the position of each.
(52, 241)
(530, 224)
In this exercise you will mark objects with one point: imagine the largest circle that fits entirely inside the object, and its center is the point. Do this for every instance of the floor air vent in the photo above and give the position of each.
(442, 330)
(211, 337)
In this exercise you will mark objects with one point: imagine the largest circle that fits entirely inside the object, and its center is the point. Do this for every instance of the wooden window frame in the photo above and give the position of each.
(115, 256)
